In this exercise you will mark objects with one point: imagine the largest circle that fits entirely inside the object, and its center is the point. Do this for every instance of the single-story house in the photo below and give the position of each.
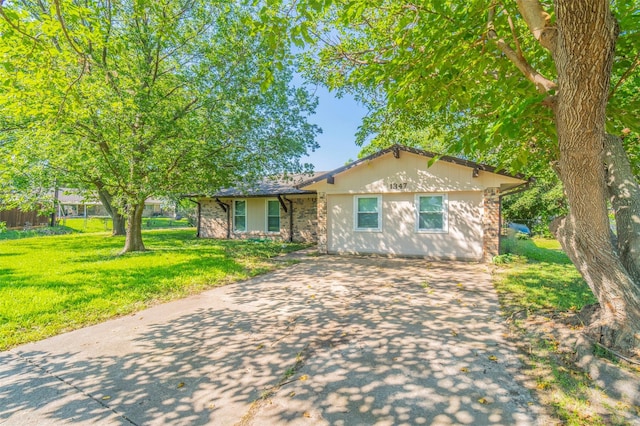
(397, 202)
(74, 203)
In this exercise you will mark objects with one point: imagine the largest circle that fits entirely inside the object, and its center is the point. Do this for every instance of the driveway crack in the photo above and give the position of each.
(61, 379)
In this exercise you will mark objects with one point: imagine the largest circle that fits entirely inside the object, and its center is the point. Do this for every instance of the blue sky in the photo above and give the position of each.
(339, 120)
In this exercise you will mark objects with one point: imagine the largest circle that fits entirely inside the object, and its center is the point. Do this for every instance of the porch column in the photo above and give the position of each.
(322, 223)
(491, 224)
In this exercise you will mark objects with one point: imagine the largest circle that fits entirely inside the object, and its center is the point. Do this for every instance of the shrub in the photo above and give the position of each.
(503, 259)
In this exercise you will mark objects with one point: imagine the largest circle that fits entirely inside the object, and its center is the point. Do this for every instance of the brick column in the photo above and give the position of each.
(322, 223)
(213, 220)
(491, 224)
(285, 222)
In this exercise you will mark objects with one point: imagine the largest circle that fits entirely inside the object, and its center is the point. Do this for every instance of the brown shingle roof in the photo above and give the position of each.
(270, 187)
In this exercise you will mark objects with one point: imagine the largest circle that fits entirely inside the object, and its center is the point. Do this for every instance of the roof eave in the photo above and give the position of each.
(396, 149)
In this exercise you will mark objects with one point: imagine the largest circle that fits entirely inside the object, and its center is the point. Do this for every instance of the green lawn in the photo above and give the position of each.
(88, 225)
(52, 284)
(539, 279)
(91, 225)
(104, 224)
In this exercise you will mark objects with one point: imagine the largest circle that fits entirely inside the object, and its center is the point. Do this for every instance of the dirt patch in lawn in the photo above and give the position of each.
(581, 381)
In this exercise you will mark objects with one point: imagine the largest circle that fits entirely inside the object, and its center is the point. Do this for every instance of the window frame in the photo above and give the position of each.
(356, 212)
(445, 214)
(246, 215)
(266, 208)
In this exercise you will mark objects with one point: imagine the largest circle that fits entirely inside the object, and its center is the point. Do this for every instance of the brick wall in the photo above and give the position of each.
(491, 223)
(322, 222)
(305, 219)
(213, 219)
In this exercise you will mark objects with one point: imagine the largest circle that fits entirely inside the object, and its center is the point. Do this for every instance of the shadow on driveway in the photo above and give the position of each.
(332, 340)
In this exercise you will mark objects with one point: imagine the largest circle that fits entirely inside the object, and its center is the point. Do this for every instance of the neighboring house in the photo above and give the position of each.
(389, 203)
(72, 203)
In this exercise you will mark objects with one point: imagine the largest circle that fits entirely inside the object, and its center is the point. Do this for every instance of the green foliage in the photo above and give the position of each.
(143, 98)
(538, 205)
(3, 227)
(504, 259)
(55, 284)
(396, 61)
(436, 67)
(35, 232)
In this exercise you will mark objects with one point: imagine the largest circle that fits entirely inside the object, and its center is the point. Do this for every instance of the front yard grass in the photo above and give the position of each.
(540, 278)
(105, 224)
(540, 292)
(52, 284)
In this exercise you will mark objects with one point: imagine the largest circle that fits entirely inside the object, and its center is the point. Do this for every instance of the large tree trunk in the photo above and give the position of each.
(116, 217)
(119, 224)
(624, 193)
(133, 240)
(584, 55)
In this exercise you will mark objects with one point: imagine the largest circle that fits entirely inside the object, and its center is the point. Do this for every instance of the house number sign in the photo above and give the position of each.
(397, 185)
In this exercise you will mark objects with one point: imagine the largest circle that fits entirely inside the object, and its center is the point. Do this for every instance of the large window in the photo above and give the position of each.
(273, 216)
(368, 213)
(240, 215)
(432, 213)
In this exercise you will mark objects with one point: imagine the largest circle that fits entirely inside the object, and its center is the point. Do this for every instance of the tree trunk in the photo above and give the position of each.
(583, 58)
(624, 193)
(133, 240)
(119, 223)
(116, 217)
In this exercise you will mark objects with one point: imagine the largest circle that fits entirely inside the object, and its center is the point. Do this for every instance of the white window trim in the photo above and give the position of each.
(246, 216)
(266, 216)
(445, 214)
(355, 213)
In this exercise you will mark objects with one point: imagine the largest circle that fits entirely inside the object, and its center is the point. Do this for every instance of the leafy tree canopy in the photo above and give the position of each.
(449, 66)
(144, 98)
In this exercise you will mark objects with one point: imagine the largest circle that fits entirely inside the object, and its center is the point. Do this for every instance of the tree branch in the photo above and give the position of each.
(14, 26)
(514, 34)
(64, 30)
(73, 83)
(627, 73)
(543, 84)
(538, 22)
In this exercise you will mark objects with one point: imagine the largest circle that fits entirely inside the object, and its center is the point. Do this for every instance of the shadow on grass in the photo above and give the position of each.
(542, 294)
(548, 280)
(54, 285)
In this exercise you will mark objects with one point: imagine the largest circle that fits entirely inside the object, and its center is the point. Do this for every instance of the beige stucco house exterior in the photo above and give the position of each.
(397, 202)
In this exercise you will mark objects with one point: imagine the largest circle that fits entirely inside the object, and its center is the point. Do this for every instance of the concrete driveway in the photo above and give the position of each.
(331, 340)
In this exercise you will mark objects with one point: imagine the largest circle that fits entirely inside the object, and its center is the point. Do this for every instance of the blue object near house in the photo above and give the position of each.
(519, 227)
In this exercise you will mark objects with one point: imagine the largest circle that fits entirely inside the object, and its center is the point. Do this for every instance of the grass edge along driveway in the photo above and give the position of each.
(53, 284)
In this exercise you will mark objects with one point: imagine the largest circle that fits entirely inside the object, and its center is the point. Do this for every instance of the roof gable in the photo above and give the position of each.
(410, 167)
